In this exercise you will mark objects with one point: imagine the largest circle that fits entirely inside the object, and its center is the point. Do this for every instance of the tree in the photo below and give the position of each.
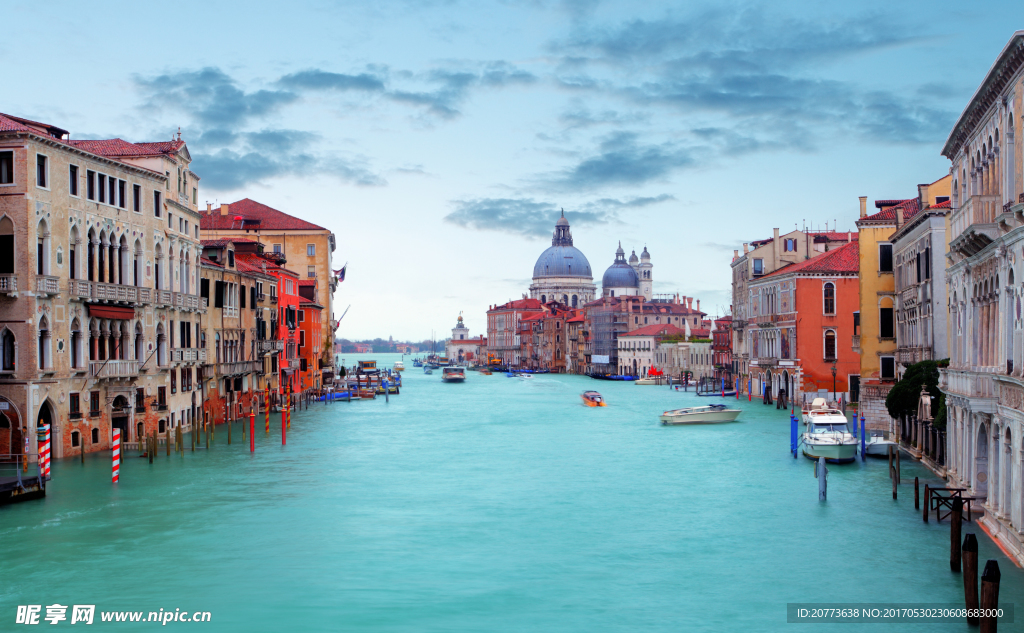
(905, 395)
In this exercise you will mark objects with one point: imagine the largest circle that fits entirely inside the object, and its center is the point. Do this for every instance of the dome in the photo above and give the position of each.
(645, 256)
(620, 274)
(562, 261)
(633, 259)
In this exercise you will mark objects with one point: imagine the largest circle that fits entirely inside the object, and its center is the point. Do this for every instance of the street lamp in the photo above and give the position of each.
(834, 399)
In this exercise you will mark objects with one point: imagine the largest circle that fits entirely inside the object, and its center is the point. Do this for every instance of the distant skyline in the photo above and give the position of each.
(438, 140)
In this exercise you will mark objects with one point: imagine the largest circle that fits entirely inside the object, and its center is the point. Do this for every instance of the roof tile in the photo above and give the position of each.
(248, 211)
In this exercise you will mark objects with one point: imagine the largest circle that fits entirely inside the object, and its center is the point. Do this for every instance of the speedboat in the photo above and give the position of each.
(827, 434)
(427, 369)
(709, 414)
(367, 394)
(593, 399)
(453, 374)
(645, 381)
(399, 366)
(524, 376)
(876, 445)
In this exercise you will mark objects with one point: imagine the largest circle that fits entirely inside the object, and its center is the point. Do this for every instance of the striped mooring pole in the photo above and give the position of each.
(116, 474)
(266, 408)
(252, 432)
(44, 453)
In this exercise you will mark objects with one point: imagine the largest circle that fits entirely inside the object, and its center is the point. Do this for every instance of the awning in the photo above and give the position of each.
(111, 312)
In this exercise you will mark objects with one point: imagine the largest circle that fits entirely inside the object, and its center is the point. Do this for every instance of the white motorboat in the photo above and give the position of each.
(524, 376)
(453, 374)
(876, 445)
(827, 434)
(709, 414)
(399, 366)
(645, 381)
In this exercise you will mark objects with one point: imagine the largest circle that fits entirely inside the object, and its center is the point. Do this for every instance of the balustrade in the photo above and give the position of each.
(113, 368)
(47, 285)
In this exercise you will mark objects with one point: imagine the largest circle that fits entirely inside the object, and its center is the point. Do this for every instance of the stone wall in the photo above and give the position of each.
(872, 406)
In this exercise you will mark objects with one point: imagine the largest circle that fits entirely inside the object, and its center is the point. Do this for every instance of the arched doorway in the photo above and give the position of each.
(120, 411)
(981, 460)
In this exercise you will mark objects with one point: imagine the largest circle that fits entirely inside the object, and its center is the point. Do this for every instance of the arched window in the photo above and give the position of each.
(6, 246)
(42, 249)
(76, 343)
(139, 343)
(574, 300)
(830, 344)
(157, 260)
(44, 344)
(829, 298)
(9, 350)
(161, 346)
(137, 268)
(543, 298)
(565, 299)
(122, 261)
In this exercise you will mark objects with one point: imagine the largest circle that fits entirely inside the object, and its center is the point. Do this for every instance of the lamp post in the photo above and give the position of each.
(834, 399)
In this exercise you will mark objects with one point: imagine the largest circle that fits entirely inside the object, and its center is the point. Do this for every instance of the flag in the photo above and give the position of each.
(340, 274)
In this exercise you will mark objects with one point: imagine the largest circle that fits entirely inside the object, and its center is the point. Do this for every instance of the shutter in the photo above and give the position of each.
(204, 288)
(241, 298)
(252, 297)
(218, 297)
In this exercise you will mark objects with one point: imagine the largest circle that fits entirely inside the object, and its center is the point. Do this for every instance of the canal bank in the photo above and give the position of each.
(497, 504)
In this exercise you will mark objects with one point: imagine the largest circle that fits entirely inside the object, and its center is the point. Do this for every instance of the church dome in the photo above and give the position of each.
(562, 259)
(645, 256)
(620, 274)
(633, 259)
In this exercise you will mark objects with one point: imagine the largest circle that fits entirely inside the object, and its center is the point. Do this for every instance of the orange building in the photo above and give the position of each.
(801, 321)
(310, 333)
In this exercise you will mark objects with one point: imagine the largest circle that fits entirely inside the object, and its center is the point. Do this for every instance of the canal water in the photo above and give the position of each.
(495, 505)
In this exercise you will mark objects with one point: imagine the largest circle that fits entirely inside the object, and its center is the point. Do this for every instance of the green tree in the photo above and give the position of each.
(905, 395)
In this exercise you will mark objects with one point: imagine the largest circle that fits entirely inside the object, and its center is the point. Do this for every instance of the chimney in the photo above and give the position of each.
(849, 236)
(735, 254)
(698, 305)
(209, 208)
(745, 248)
(922, 195)
(899, 217)
(689, 303)
(223, 209)
(863, 206)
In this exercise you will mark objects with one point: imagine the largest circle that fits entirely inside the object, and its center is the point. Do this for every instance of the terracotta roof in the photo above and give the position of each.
(307, 282)
(209, 262)
(845, 259)
(658, 329)
(700, 333)
(252, 212)
(836, 236)
(250, 262)
(520, 304)
(119, 148)
(11, 123)
(910, 206)
(945, 204)
(536, 316)
(880, 204)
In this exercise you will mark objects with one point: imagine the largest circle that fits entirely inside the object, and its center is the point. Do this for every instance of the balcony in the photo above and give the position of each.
(273, 298)
(237, 368)
(163, 298)
(269, 347)
(260, 296)
(8, 284)
(184, 301)
(188, 355)
(230, 312)
(113, 368)
(294, 363)
(47, 285)
(856, 343)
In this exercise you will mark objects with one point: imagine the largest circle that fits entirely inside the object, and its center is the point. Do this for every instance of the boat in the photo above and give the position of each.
(392, 389)
(827, 434)
(707, 414)
(511, 374)
(592, 399)
(417, 362)
(399, 366)
(524, 376)
(645, 381)
(367, 394)
(876, 445)
(428, 369)
(453, 374)
(367, 367)
(611, 377)
(485, 372)
(335, 395)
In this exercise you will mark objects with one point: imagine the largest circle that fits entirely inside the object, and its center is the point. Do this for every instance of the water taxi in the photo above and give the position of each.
(453, 374)
(876, 445)
(428, 369)
(399, 366)
(709, 414)
(593, 399)
(827, 434)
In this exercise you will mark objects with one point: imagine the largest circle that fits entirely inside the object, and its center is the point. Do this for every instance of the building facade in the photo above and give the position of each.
(503, 344)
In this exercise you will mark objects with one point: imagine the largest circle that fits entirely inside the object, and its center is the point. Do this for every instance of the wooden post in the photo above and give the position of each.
(83, 453)
(822, 474)
(970, 559)
(955, 521)
(192, 436)
(149, 446)
(168, 441)
(227, 420)
(917, 496)
(899, 478)
(892, 472)
(989, 595)
(252, 432)
(927, 498)
(207, 425)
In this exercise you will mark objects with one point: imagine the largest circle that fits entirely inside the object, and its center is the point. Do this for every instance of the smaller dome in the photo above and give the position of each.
(620, 274)
(633, 259)
(645, 255)
(562, 221)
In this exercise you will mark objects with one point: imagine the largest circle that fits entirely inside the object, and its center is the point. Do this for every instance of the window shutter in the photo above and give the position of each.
(204, 288)
(218, 299)
(241, 298)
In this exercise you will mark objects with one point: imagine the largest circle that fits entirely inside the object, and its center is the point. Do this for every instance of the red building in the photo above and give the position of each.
(503, 332)
(310, 333)
(801, 318)
(721, 348)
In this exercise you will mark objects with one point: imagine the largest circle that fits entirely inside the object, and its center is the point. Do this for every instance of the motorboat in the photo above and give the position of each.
(392, 389)
(593, 399)
(645, 381)
(485, 371)
(453, 374)
(876, 445)
(708, 414)
(417, 362)
(428, 369)
(827, 434)
(367, 394)
(524, 376)
(399, 366)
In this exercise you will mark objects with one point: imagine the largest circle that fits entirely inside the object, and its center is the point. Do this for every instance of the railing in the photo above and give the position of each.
(237, 367)
(188, 355)
(113, 368)
(273, 298)
(186, 301)
(294, 363)
(8, 283)
(269, 347)
(260, 296)
(47, 284)
(230, 312)
(163, 297)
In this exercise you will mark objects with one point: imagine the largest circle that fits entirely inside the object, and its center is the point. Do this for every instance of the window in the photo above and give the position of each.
(74, 439)
(302, 338)
(928, 263)
(311, 271)
(174, 380)
(885, 319)
(302, 316)
(790, 245)
(170, 221)
(94, 403)
(181, 225)
(888, 368)
(830, 344)
(140, 400)
(112, 185)
(6, 168)
(195, 196)
(310, 250)
(95, 436)
(161, 397)
(41, 171)
(90, 184)
(156, 204)
(101, 187)
(74, 406)
(231, 259)
(122, 198)
(277, 248)
(885, 258)
(303, 365)
(758, 266)
(186, 228)
(73, 180)
(830, 298)
(137, 198)
(8, 350)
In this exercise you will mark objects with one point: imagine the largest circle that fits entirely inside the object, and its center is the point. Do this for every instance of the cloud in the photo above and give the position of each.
(316, 79)
(210, 97)
(528, 218)
(622, 160)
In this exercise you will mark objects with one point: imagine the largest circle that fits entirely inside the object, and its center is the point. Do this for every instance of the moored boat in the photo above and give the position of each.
(453, 374)
(367, 394)
(827, 434)
(593, 399)
(399, 366)
(876, 445)
(708, 414)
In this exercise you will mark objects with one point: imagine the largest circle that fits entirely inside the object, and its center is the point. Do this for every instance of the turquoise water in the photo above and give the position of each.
(493, 505)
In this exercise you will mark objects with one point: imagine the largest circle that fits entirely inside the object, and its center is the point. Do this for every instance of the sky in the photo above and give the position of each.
(439, 140)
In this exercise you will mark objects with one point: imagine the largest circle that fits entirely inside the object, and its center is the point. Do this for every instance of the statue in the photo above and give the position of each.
(924, 406)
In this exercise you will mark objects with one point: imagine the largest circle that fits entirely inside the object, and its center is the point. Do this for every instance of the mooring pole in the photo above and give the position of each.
(917, 496)
(989, 596)
(970, 559)
(821, 472)
(955, 520)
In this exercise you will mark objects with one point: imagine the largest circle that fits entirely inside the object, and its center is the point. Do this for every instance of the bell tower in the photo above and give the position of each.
(646, 273)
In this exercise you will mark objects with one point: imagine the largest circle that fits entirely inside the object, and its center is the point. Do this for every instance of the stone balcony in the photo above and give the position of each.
(47, 285)
(187, 302)
(8, 284)
(269, 347)
(238, 368)
(81, 289)
(119, 369)
(188, 355)
(294, 363)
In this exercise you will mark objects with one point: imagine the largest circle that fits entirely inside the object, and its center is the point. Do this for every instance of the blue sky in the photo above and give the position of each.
(439, 139)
